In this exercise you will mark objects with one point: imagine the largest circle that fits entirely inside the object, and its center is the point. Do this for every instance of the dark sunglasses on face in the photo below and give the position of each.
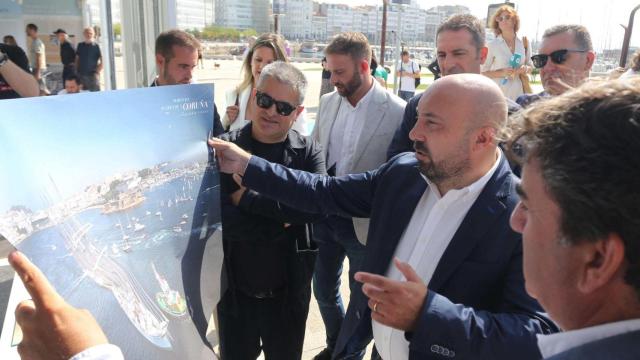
(504, 17)
(265, 101)
(558, 57)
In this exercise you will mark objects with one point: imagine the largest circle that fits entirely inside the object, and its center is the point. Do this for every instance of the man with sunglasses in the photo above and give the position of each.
(565, 58)
(443, 211)
(354, 125)
(268, 252)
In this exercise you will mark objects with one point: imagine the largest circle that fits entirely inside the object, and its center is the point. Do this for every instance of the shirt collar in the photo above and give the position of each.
(473, 188)
(553, 344)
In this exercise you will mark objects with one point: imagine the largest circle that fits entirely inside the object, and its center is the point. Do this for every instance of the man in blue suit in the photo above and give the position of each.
(456, 286)
(443, 211)
(580, 219)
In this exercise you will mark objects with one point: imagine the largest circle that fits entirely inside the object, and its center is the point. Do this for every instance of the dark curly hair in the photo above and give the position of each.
(588, 144)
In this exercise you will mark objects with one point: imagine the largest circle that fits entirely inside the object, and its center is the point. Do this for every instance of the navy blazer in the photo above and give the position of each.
(620, 347)
(477, 306)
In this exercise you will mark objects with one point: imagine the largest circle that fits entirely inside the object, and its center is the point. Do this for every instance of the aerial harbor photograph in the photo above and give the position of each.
(110, 232)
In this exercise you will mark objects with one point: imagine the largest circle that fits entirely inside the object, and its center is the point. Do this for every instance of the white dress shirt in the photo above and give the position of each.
(433, 224)
(554, 344)
(408, 82)
(100, 352)
(345, 133)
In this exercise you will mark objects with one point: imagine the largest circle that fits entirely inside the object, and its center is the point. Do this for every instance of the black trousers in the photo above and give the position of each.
(273, 325)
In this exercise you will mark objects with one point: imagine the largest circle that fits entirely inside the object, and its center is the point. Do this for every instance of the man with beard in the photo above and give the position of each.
(443, 211)
(176, 58)
(455, 285)
(460, 44)
(565, 58)
(355, 124)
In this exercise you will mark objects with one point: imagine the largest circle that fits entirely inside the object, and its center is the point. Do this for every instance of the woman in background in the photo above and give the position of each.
(501, 65)
(241, 103)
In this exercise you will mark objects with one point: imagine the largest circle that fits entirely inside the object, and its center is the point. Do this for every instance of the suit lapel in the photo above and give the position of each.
(481, 217)
(328, 119)
(396, 218)
(375, 116)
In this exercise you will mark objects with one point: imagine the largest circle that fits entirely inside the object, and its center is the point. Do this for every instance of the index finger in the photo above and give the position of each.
(218, 144)
(381, 282)
(41, 291)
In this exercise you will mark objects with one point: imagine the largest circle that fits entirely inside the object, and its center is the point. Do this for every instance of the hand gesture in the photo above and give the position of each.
(396, 304)
(231, 158)
(51, 328)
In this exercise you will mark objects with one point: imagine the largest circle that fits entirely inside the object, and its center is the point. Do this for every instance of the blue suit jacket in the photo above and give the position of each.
(620, 347)
(477, 307)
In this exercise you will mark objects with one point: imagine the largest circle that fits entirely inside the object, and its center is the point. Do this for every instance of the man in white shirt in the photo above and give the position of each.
(408, 73)
(354, 125)
(37, 57)
(579, 217)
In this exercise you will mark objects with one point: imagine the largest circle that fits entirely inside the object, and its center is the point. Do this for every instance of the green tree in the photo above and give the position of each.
(214, 32)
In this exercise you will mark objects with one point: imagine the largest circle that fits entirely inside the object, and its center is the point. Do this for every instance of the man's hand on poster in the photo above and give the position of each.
(231, 158)
(237, 195)
(51, 328)
(396, 304)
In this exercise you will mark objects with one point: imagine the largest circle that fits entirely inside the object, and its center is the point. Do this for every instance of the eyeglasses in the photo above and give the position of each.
(504, 17)
(265, 101)
(558, 57)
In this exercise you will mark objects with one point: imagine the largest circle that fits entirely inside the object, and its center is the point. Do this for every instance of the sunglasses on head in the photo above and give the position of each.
(558, 57)
(265, 101)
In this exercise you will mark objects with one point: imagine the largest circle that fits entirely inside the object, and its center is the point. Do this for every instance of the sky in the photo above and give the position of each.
(602, 18)
(79, 140)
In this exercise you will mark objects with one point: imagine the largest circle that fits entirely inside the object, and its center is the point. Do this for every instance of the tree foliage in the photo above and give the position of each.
(221, 33)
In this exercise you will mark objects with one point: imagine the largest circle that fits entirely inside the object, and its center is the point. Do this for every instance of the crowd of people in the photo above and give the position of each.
(81, 66)
(451, 253)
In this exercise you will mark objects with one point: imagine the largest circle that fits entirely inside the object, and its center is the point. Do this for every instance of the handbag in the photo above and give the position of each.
(524, 78)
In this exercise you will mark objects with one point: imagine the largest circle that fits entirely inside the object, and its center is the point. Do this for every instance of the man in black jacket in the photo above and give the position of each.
(67, 54)
(269, 257)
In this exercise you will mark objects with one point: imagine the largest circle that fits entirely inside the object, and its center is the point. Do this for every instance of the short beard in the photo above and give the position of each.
(352, 86)
(445, 170)
(168, 79)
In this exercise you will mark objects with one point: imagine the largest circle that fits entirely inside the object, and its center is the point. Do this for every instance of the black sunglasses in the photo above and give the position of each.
(265, 101)
(558, 57)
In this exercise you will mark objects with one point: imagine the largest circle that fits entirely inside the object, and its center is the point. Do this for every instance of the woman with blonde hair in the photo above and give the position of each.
(507, 56)
(241, 103)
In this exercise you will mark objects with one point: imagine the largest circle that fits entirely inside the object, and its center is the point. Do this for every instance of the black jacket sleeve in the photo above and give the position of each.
(401, 142)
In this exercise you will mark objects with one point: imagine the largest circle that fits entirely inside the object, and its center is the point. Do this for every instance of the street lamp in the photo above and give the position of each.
(627, 37)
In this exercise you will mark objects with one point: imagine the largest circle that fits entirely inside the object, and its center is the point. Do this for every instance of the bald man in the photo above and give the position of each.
(442, 273)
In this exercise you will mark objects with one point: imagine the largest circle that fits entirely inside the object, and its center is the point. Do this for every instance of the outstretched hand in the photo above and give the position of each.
(51, 328)
(231, 158)
(396, 304)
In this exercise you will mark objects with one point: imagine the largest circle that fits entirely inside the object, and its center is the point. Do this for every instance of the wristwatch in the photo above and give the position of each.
(3, 58)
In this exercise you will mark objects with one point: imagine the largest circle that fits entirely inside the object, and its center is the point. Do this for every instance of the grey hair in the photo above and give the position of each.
(286, 74)
(581, 35)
